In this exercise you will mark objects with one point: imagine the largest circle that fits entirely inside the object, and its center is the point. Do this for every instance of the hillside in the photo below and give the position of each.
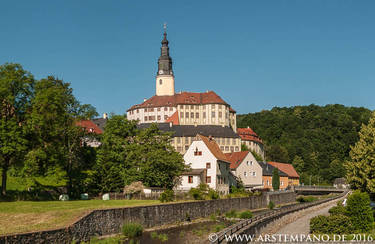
(315, 139)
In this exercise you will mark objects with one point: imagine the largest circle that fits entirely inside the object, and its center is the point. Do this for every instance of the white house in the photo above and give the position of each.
(209, 165)
(245, 167)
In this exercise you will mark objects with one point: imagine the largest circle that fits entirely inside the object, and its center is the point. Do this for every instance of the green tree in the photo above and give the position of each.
(277, 153)
(298, 164)
(16, 90)
(57, 143)
(275, 179)
(361, 166)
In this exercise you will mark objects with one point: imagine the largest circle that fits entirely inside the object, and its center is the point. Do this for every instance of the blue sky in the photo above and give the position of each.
(254, 54)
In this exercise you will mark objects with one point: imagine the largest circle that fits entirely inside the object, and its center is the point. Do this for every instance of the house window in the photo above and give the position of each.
(220, 114)
(245, 173)
(197, 153)
(190, 179)
(237, 149)
(159, 117)
(186, 147)
(165, 117)
(137, 111)
(208, 165)
(268, 182)
(152, 109)
(178, 139)
(282, 183)
(170, 109)
(231, 148)
(179, 149)
(192, 106)
(145, 109)
(186, 139)
(145, 118)
(226, 148)
(222, 148)
(208, 179)
(254, 173)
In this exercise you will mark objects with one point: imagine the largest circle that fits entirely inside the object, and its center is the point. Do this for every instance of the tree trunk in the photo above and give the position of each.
(4, 178)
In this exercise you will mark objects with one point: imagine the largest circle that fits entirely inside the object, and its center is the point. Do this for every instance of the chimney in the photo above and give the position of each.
(210, 137)
(105, 116)
(248, 127)
(170, 124)
(144, 99)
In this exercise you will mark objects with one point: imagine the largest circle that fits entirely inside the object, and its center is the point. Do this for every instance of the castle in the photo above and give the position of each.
(188, 114)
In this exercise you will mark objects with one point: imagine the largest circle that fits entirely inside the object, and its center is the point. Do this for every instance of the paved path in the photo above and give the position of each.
(302, 224)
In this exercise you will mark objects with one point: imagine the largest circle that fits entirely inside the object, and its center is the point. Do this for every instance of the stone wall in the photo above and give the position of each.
(109, 221)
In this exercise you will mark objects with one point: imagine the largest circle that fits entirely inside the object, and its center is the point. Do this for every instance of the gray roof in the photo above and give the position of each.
(268, 169)
(194, 172)
(192, 130)
(100, 122)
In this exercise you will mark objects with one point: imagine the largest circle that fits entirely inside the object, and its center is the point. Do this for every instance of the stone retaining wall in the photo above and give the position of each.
(109, 221)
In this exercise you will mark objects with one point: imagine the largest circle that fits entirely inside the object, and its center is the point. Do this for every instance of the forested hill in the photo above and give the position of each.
(315, 139)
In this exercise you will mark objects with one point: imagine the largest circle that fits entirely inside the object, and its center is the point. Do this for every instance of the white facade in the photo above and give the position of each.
(164, 85)
(151, 115)
(249, 171)
(199, 156)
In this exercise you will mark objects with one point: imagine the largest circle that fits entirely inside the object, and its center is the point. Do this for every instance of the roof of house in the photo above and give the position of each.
(267, 169)
(192, 130)
(236, 158)
(248, 134)
(100, 122)
(174, 119)
(286, 168)
(208, 97)
(194, 172)
(214, 148)
(90, 126)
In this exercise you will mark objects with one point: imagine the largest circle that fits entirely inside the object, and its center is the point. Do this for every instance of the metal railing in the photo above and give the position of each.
(262, 217)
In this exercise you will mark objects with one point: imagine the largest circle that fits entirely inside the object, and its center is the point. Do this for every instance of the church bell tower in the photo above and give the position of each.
(165, 76)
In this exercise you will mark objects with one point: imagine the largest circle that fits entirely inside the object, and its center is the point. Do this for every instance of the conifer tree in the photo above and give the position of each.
(361, 166)
(275, 179)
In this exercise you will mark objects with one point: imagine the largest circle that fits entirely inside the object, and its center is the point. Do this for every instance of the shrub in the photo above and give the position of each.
(359, 210)
(212, 194)
(271, 205)
(132, 230)
(303, 199)
(196, 194)
(337, 210)
(246, 215)
(333, 224)
(219, 227)
(167, 196)
(231, 214)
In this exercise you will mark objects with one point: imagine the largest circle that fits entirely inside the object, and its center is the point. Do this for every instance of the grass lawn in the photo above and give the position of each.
(25, 216)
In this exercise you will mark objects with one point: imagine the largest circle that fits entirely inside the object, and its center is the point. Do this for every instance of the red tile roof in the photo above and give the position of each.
(174, 119)
(90, 126)
(247, 134)
(191, 98)
(286, 168)
(214, 148)
(236, 158)
(232, 110)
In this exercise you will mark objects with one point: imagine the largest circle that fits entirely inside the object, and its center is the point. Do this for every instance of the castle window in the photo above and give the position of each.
(187, 115)
(220, 114)
(165, 109)
(159, 118)
(197, 115)
(192, 115)
(222, 148)
(165, 117)
(158, 109)
(236, 149)
(213, 114)
(192, 106)
(226, 148)
(145, 118)
(170, 109)
(160, 82)
(204, 115)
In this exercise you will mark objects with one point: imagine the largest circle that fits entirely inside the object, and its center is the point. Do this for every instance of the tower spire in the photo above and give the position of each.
(165, 61)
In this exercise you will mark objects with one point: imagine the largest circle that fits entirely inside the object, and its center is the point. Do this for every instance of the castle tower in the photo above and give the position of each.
(165, 77)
